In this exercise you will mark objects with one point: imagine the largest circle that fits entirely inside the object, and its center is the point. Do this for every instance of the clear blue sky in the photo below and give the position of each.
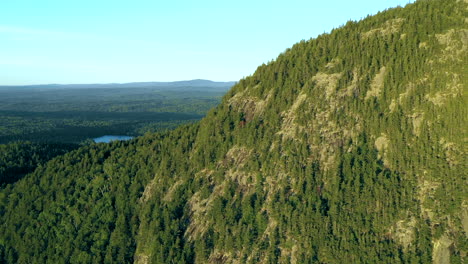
(102, 41)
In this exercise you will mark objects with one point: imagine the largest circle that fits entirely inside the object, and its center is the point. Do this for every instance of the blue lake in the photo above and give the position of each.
(109, 138)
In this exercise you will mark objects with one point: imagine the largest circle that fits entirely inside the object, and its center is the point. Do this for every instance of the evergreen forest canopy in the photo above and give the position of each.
(76, 113)
(39, 122)
(348, 148)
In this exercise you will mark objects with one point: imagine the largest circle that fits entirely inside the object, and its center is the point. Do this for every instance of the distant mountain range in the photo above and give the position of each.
(199, 83)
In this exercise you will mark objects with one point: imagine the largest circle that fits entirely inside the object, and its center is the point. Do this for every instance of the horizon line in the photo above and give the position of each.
(113, 83)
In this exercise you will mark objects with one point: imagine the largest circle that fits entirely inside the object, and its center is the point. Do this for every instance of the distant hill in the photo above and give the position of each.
(200, 84)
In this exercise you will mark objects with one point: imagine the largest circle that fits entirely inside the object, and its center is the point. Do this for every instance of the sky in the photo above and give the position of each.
(118, 41)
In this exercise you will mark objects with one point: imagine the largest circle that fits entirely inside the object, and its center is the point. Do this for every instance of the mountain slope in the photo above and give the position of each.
(347, 148)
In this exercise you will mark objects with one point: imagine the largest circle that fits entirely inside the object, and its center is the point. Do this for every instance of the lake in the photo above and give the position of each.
(109, 138)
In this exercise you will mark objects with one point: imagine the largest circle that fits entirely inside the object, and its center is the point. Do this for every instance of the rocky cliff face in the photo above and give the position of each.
(369, 118)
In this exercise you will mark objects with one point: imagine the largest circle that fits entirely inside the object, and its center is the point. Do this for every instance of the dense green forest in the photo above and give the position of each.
(40, 122)
(75, 113)
(20, 158)
(348, 148)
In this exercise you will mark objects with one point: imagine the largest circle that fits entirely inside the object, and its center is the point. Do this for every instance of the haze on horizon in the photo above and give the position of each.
(54, 41)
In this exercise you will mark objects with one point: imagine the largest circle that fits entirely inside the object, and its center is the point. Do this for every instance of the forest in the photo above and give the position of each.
(347, 148)
(75, 113)
(40, 122)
